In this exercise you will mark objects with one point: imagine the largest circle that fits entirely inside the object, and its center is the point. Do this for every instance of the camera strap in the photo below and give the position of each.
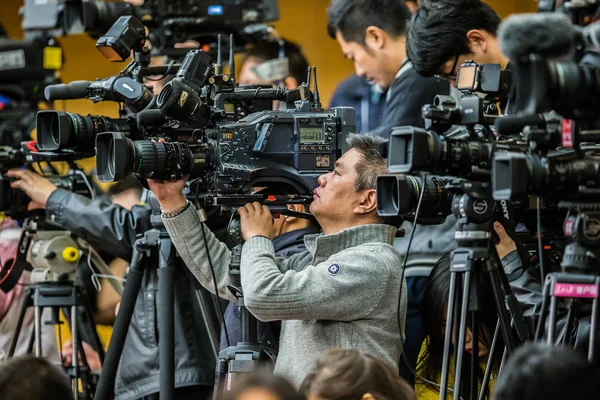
(13, 268)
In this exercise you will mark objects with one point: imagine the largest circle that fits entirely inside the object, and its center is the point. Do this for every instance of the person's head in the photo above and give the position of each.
(445, 33)
(434, 308)
(126, 193)
(265, 51)
(351, 374)
(540, 371)
(32, 378)
(371, 34)
(347, 195)
(263, 385)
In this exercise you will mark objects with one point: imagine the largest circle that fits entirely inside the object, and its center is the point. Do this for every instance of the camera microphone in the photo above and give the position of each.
(550, 35)
(70, 91)
(515, 125)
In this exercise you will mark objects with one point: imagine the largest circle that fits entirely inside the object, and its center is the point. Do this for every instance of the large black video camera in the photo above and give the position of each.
(457, 142)
(288, 148)
(169, 22)
(14, 203)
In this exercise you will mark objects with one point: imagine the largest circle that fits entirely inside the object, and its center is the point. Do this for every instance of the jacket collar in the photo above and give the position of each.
(324, 246)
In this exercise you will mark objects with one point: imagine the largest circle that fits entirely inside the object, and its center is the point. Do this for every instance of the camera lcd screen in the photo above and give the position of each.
(311, 134)
(466, 78)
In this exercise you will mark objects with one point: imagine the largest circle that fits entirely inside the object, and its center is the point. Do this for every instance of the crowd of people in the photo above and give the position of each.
(329, 294)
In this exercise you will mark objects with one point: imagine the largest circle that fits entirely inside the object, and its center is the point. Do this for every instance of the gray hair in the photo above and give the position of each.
(371, 164)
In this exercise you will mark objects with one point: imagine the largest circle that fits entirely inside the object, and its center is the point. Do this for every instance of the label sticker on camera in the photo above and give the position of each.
(334, 269)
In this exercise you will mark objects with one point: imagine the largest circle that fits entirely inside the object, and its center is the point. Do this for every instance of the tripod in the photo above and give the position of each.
(245, 356)
(68, 297)
(53, 256)
(579, 280)
(153, 244)
(474, 208)
(153, 241)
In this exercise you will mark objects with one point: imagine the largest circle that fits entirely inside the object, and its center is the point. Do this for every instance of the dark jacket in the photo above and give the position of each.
(526, 285)
(407, 96)
(111, 228)
(285, 245)
(368, 102)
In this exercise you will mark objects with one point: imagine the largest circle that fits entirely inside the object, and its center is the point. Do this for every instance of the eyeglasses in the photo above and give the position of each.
(452, 75)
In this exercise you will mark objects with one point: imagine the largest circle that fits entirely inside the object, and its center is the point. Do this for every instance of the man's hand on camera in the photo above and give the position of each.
(506, 244)
(35, 186)
(256, 220)
(169, 193)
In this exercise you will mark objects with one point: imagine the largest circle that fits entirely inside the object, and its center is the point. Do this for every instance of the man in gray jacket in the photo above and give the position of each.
(343, 292)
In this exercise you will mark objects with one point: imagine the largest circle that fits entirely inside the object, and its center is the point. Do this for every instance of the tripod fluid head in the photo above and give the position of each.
(473, 206)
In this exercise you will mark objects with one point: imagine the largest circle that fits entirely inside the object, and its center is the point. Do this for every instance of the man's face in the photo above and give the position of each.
(247, 75)
(335, 197)
(484, 50)
(369, 63)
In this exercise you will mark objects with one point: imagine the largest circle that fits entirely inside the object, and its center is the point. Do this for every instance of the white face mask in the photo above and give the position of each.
(274, 70)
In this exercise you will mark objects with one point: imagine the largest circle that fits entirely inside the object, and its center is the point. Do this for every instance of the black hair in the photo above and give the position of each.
(32, 378)
(269, 50)
(433, 307)
(438, 31)
(264, 379)
(352, 18)
(540, 371)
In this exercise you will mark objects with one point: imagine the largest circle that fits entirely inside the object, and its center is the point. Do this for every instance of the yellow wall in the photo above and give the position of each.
(303, 21)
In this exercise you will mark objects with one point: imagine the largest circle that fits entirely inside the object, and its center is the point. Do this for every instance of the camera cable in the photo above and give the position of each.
(403, 356)
(212, 268)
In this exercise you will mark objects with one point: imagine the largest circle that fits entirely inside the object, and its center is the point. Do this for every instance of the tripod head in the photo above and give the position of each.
(582, 229)
(473, 206)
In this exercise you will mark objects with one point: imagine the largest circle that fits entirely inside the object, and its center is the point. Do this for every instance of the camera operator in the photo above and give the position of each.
(372, 34)
(342, 292)
(444, 34)
(107, 226)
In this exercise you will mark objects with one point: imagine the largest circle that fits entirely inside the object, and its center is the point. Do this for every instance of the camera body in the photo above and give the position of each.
(280, 147)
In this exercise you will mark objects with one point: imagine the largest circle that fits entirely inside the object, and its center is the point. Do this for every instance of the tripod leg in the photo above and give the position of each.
(462, 331)
(166, 327)
(27, 298)
(89, 315)
(490, 363)
(75, 358)
(448, 338)
(475, 355)
(539, 330)
(117, 341)
(593, 327)
(38, 331)
(552, 327)
(496, 282)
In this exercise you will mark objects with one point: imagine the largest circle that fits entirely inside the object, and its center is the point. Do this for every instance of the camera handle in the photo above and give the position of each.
(473, 206)
(153, 241)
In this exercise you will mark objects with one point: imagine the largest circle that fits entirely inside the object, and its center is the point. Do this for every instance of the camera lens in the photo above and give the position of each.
(55, 132)
(398, 195)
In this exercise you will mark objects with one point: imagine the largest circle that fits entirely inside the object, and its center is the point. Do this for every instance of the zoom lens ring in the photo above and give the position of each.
(150, 157)
(177, 160)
